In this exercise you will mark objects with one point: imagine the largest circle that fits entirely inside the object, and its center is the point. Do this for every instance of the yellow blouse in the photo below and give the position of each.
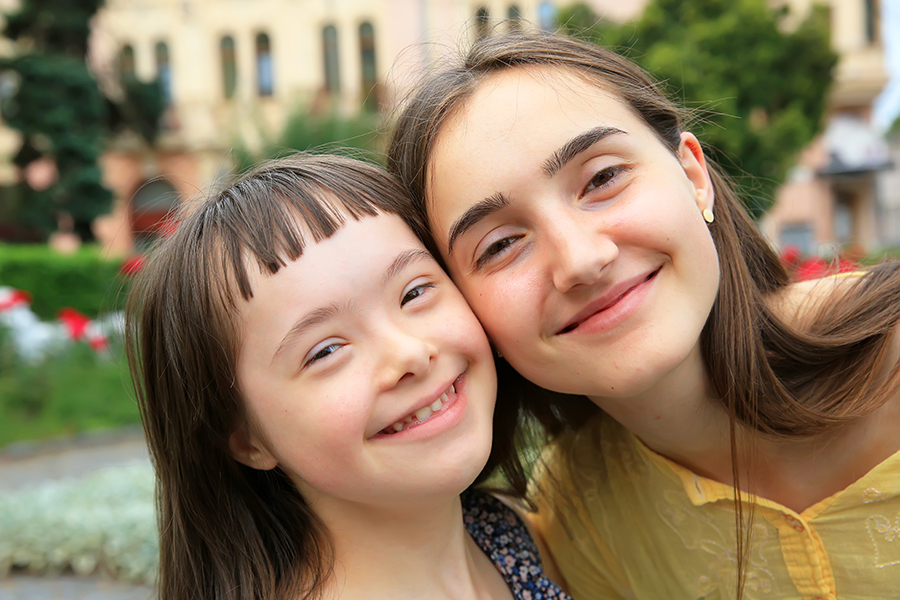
(621, 521)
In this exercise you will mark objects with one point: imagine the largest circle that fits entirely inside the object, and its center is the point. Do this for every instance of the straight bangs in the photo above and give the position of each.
(271, 214)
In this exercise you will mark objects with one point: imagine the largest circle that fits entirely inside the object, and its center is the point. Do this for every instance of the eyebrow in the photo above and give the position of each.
(551, 167)
(476, 213)
(323, 314)
(576, 146)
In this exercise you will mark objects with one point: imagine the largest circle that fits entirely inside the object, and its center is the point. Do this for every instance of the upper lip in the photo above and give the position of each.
(605, 300)
(426, 401)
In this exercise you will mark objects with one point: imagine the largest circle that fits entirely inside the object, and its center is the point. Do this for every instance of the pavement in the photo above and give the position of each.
(29, 464)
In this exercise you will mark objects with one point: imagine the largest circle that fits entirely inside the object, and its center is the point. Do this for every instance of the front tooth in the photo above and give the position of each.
(397, 426)
(424, 413)
(437, 404)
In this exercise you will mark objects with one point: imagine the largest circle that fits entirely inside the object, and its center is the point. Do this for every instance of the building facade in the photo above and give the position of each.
(234, 70)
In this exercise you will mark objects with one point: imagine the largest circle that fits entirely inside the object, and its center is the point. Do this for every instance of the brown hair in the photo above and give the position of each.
(769, 376)
(228, 531)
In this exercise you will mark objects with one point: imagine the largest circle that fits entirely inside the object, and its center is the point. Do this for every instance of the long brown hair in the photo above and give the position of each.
(228, 531)
(770, 377)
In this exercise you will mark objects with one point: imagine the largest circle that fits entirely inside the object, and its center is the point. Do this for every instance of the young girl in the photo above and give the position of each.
(608, 259)
(316, 394)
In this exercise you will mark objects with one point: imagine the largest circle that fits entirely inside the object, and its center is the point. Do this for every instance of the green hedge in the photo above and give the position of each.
(85, 280)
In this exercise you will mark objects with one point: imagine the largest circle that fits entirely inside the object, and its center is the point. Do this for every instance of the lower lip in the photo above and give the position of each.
(611, 316)
(438, 423)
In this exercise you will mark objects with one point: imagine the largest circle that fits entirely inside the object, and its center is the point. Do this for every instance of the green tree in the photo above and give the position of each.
(756, 87)
(357, 135)
(53, 100)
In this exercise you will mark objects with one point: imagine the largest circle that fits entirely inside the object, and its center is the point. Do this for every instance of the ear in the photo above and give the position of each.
(247, 448)
(693, 161)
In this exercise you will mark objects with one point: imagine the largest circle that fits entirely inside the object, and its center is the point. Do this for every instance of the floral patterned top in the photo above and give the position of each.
(503, 537)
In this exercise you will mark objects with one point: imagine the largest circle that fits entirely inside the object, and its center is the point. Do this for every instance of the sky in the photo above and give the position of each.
(887, 106)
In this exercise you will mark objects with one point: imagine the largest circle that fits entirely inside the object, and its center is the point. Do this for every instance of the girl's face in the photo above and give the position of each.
(574, 233)
(366, 376)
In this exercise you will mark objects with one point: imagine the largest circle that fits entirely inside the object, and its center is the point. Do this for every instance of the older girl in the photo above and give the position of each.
(608, 259)
(316, 394)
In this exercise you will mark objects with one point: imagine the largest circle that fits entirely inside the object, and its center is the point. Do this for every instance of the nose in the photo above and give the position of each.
(579, 249)
(403, 354)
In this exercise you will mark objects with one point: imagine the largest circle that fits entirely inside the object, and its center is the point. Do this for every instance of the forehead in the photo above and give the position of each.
(512, 99)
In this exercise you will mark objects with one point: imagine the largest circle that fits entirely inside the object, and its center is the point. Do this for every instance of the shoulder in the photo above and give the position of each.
(799, 303)
(531, 522)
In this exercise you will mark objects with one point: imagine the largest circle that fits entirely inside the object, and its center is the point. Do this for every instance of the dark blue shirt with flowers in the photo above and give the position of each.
(502, 535)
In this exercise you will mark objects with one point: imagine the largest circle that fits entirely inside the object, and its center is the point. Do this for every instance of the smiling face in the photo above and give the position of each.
(366, 376)
(575, 234)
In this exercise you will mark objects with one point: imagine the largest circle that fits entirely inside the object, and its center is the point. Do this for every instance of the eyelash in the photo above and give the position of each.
(610, 172)
(406, 297)
(497, 248)
(321, 354)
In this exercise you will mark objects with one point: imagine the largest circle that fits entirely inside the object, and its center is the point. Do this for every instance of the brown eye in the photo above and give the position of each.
(415, 292)
(602, 178)
(495, 249)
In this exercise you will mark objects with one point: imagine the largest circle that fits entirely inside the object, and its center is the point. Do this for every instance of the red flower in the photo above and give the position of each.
(132, 265)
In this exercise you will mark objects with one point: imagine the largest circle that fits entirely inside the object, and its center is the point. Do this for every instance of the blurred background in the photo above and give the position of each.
(114, 112)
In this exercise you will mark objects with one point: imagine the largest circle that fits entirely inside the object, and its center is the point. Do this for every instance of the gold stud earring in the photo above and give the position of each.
(708, 215)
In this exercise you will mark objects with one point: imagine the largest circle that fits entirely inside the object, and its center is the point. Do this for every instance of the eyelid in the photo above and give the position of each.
(323, 345)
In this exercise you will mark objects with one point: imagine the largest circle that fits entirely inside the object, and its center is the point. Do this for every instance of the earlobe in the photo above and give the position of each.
(248, 449)
(693, 161)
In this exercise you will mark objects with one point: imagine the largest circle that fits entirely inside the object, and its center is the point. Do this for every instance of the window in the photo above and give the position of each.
(125, 63)
(151, 208)
(332, 64)
(265, 82)
(547, 16)
(229, 66)
(872, 21)
(482, 23)
(163, 70)
(798, 235)
(514, 16)
(369, 73)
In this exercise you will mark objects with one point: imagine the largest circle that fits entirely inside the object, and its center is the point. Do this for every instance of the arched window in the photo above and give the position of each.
(229, 66)
(482, 22)
(872, 21)
(125, 64)
(265, 78)
(151, 208)
(547, 16)
(514, 16)
(332, 64)
(164, 70)
(369, 73)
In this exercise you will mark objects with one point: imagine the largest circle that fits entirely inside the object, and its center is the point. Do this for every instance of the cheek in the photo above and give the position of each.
(506, 307)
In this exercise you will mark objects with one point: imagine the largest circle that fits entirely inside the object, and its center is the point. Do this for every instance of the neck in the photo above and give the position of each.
(420, 551)
(682, 420)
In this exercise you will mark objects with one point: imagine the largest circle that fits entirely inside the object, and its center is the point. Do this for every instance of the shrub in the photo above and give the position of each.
(85, 281)
(72, 389)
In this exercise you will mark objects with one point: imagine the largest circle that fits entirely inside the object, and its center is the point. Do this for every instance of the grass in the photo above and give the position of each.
(70, 391)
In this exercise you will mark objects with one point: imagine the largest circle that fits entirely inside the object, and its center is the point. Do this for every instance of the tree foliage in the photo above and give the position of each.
(756, 88)
(353, 135)
(54, 102)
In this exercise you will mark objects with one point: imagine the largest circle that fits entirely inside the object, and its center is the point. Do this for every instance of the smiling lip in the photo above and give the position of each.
(609, 303)
(431, 410)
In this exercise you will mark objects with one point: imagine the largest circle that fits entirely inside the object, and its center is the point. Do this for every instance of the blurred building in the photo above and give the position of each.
(234, 70)
(839, 192)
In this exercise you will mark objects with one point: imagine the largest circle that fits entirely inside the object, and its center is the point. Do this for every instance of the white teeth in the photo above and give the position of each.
(452, 389)
(398, 426)
(437, 404)
(424, 413)
(408, 419)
